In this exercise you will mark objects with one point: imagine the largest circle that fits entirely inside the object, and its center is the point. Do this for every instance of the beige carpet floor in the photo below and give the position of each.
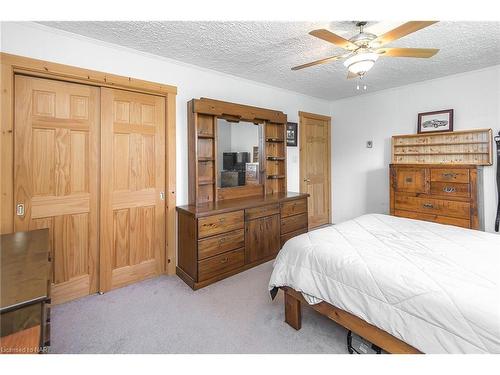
(163, 315)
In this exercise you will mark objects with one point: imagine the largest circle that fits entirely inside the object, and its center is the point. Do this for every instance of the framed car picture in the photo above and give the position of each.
(437, 121)
(291, 134)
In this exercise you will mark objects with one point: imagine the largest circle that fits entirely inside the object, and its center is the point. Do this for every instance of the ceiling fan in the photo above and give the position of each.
(365, 48)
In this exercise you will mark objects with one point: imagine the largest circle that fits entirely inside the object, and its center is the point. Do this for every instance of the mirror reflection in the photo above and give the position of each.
(237, 153)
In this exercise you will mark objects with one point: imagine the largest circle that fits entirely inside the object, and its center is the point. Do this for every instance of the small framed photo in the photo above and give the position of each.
(291, 134)
(252, 173)
(437, 121)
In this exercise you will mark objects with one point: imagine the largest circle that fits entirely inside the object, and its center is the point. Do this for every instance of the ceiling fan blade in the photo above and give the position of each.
(317, 62)
(334, 38)
(401, 31)
(408, 52)
(351, 75)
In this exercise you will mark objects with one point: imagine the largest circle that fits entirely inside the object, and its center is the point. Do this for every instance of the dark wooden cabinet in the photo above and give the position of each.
(262, 237)
(219, 239)
(25, 292)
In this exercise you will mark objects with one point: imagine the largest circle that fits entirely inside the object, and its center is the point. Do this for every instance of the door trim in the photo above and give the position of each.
(302, 116)
(11, 65)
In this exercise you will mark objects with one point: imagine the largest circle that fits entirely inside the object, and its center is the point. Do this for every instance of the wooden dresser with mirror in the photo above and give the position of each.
(239, 213)
(439, 176)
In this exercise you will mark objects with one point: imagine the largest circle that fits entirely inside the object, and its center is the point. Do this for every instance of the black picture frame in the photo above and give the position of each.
(432, 122)
(291, 134)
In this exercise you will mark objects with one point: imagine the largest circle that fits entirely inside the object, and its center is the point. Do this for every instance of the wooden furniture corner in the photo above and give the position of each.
(25, 292)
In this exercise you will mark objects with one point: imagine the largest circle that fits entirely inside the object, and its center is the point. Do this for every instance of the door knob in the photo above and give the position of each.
(307, 180)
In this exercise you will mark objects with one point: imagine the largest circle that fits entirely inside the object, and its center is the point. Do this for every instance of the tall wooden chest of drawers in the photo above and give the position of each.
(446, 194)
(220, 239)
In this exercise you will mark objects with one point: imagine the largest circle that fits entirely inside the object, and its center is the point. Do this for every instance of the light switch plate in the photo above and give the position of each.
(369, 144)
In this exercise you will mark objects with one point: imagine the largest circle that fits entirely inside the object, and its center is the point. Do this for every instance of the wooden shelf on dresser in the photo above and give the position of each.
(219, 239)
(464, 147)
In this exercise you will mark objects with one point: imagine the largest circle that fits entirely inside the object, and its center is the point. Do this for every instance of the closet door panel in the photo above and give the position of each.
(132, 187)
(56, 177)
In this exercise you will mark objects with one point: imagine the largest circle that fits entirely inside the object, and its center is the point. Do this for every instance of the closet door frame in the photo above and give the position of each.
(11, 65)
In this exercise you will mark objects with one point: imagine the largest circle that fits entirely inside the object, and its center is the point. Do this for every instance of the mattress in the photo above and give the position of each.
(435, 287)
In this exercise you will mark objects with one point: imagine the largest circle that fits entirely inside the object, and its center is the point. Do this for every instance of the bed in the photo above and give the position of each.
(406, 285)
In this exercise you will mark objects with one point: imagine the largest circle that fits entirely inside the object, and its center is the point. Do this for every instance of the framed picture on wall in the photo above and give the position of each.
(437, 121)
(291, 134)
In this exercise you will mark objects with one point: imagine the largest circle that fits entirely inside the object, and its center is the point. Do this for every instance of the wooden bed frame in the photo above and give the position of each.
(384, 340)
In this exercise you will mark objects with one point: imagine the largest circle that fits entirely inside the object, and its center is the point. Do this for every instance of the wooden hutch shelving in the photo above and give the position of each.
(202, 135)
(472, 147)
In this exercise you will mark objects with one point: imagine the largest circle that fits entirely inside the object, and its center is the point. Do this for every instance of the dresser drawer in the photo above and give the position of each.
(221, 263)
(432, 206)
(221, 243)
(289, 235)
(434, 218)
(293, 207)
(293, 223)
(450, 175)
(410, 180)
(255, 213)
(216, 224)
(450, 189)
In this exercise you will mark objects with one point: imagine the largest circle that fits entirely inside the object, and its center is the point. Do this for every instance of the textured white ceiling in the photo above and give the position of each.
(265, 51)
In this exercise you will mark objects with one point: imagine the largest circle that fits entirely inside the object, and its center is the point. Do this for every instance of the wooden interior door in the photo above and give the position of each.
(56, 145)
(132, 187)
(315, 153)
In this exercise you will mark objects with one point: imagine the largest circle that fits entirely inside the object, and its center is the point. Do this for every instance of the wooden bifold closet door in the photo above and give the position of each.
(132, 187)
(74, 144)
(56, 177)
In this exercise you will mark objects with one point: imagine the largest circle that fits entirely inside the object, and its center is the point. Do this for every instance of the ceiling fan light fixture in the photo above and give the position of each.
(361, 63)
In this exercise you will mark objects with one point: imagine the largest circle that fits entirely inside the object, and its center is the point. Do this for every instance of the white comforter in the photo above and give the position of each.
(436, 287)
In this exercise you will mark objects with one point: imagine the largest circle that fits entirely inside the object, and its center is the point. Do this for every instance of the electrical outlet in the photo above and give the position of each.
(369, 144)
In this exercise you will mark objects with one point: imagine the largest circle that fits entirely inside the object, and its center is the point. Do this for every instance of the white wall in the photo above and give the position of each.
(361, 175)
(40, 42)
(244, 137)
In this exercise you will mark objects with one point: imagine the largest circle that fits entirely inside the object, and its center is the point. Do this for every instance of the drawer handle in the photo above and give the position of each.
(428, 205)
(221, 241)
(224, 260)
(449, 189)
(222, 219)
(409, 180)
(449, 175)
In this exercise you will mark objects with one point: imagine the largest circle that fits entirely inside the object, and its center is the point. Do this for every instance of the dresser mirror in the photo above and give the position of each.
(239, 146)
